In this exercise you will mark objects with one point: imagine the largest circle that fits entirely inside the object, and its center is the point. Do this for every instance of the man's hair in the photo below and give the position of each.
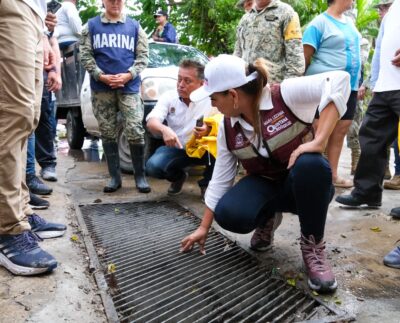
(190, 63)
(330, 2)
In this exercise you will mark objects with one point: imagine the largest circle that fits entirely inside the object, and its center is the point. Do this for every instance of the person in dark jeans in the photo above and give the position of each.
(44, 138)
(41, 148)
(176, 109)
(268, 129)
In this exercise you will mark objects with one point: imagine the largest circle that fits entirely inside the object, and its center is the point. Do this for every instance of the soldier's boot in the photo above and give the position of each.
(112, 157)
(355, 156)
(137, 155)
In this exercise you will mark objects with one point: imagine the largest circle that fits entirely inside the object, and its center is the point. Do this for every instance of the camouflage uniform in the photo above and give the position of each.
(107, 104)
(274, 33)
(352, 133)
(105, 108)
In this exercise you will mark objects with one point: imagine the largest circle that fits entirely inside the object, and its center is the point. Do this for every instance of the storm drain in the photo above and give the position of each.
(137, 245)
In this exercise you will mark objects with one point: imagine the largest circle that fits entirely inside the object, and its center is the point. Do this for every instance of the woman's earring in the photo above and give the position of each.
(235, 107)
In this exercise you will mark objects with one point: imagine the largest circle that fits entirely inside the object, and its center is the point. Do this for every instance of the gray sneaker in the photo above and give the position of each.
(49, 174)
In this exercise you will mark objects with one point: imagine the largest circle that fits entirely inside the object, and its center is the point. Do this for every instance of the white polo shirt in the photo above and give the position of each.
(180, 117)
(389, 75)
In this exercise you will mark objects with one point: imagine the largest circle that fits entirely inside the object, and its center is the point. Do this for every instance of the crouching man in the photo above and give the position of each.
(180, 114)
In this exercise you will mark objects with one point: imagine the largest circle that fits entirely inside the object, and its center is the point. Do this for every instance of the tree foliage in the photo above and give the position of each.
(210, 25)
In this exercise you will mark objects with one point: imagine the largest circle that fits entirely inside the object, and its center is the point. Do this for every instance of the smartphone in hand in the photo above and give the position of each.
(53, 6)
(199, 121)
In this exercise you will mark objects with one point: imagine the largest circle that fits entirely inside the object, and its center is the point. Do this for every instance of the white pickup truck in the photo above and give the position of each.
(74, 100)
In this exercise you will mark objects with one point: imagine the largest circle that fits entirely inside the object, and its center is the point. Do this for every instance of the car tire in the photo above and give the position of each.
(125, 159)
(151, 144)
(75, 130)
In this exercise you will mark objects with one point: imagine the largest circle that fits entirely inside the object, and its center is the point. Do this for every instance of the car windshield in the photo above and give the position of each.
(163, 55)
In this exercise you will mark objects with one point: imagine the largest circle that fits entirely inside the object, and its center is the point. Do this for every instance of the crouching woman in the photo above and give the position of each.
(268, 129)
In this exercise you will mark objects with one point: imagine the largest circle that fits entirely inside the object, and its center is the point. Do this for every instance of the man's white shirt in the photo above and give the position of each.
(180, 117)
(389, 75)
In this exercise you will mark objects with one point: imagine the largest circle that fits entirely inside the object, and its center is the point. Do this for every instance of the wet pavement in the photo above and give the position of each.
(357, 240)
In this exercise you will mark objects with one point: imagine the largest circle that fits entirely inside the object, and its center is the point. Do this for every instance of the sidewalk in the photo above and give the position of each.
(367, 288)
(69, 294)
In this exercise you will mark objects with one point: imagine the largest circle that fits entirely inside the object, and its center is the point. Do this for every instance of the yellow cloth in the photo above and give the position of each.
(196, 148)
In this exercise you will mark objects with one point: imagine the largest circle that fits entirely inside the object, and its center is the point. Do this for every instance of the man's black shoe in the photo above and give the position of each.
(395, 213)
(36, 186)
(176, 187)
(36, 203)
(350, 200)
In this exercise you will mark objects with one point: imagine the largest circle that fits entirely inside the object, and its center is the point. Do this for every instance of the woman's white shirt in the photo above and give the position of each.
(303, 95)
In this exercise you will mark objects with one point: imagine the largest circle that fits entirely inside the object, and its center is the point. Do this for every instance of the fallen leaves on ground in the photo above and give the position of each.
(74, 238)
(111, 268)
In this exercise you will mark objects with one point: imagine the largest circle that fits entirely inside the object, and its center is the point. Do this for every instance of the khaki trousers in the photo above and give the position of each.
(21, 64)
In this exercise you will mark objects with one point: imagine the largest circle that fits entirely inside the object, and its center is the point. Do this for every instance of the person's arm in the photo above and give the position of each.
(169, 136)
(200, 234)
(169, 33)
(142, 54)
(48, 54)
(329, 92)
(50, 21)
(375, 65)
(294, 57)
(311, 42)
(87, 55)
(238, 44)
(156, 34)
(156, 118)
(396, 58)
(327, 122)
(308, 54)
(304, 95)
(54, 76)
(222, 180)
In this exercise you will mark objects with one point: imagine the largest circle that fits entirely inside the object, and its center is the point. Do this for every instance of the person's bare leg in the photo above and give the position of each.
(335, 145)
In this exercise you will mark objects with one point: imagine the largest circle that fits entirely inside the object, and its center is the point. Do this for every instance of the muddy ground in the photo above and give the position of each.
(357, 240)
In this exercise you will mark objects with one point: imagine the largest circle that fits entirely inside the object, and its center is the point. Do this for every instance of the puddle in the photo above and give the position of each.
(92, 151)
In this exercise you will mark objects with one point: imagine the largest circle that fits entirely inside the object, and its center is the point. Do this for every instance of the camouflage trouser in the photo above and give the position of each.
(352, 134)
(106, 106)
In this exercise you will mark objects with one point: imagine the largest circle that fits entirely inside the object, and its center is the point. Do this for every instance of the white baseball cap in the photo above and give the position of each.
(221, 74)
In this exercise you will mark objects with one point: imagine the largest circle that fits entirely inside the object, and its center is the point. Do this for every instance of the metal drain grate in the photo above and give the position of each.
(153, 282)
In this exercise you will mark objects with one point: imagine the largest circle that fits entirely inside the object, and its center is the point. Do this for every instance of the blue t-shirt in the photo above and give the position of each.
(337, 47)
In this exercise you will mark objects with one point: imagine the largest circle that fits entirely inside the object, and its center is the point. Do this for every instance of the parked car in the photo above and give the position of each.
(159, 77)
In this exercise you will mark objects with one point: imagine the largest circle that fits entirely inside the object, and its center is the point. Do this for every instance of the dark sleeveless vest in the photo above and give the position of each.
(282, 132)
(114, 46)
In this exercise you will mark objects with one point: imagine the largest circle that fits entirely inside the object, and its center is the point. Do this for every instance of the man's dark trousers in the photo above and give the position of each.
(377, 132)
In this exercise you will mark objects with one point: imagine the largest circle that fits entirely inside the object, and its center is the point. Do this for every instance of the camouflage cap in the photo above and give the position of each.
(383, 2)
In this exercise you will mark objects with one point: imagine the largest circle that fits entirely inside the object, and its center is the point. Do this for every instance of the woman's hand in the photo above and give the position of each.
(309, 147)
(199, 236)
(202, 131)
